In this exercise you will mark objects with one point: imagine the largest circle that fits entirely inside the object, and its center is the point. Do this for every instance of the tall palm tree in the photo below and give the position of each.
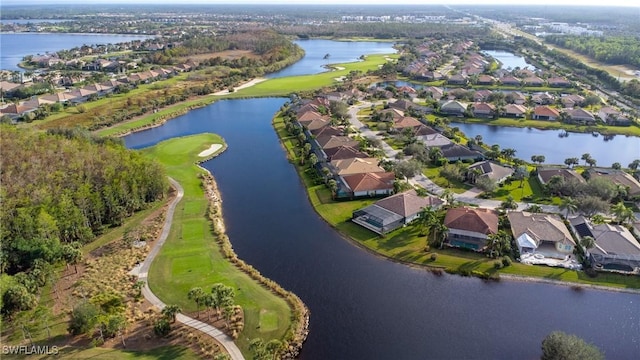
(426, 219)
(509, 203)
(197, 295)
(438, 233)
(171, 311)
(622, 213)
(587, 242)
(498, 244)
(568, 205)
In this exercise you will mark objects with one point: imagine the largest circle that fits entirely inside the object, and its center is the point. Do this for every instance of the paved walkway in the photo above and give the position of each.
(142, 272)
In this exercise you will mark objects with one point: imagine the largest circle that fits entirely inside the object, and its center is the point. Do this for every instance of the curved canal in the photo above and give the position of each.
(365, 307)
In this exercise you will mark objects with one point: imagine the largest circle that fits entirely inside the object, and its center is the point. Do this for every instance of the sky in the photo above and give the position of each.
(634, 3)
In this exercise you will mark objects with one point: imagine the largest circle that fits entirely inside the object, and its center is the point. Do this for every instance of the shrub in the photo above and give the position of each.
(434, 257)
(83, 318)
(162, 327)
(506, 261)
(497, 265)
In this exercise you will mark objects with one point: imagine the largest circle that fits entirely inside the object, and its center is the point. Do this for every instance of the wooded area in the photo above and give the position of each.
(614, 50)
(60, 190)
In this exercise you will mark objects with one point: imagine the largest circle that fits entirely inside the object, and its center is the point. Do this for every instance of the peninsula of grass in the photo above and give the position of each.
(191, 256)
(407, 245)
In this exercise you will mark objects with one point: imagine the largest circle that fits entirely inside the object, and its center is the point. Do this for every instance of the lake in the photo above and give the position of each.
(365, 307)
(339, 52)
(15, 46)
(508, 60)
(528, 141)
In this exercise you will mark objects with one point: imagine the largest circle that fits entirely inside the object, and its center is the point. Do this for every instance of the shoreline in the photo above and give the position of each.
(299, 310)
(437, 270)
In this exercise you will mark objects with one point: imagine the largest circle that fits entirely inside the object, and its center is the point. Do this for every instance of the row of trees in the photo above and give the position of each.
(608, 49)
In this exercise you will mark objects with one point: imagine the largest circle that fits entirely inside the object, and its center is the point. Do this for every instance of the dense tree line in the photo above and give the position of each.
(611, 50)
(62, 188)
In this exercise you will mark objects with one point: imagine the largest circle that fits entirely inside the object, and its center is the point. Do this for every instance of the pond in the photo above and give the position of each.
(509, 60)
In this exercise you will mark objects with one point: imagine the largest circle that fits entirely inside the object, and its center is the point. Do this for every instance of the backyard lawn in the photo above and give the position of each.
(191, 256)
(433, 173)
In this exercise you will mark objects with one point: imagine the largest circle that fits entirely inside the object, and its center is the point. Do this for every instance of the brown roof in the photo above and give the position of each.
(315, 124)
(370, 181)
(424, 130)
(327, 131)
(308, 116)
(619, 177)
(545, 111)
(408, 203)
(541, 227)
(483, 107)
(344, 152)
(514, 109)
(547, 174)
(335, 141)
(357, 166)
(406, 122)
(484, 221)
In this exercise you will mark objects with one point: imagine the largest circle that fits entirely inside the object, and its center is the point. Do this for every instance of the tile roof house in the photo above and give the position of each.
(391, 213)
(543, 98)
(571, 100)
(486, 80)
(533, 81)
(356, 166)
(517, 97)
(327, 131)
(484, 110)
(558, 82)
(489, 169)
(545, 113)
(482, 95)
(402, 104)
(336, 141)
(369, 184)
(435, 92)
(618, 177)
(510, 81)
(545, 174)
(514, 111)
(316, 123)
(344, 152)
(406, 122)
(541, 233)
(457, 79)
(470, 228)
(615, 247)
(612, 116)
(579, 116)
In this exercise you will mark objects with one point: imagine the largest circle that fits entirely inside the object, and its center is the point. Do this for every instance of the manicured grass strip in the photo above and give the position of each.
(191, 256)
(161, 353)
(406, 244)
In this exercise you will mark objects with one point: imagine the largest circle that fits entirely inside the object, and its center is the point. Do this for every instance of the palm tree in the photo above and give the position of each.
(426, 219)
(622, 213)
(508, 153)
(509, 203)
(171, 311)
(333, 186)
(196, 294)
(448, 196)
(569, 205)
(498, 244)
(223, 296)
(587, 242)
(585, 157)
(438, 233)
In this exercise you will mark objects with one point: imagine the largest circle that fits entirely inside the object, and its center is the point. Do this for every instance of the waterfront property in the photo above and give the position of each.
(470, 228)
(545, 113)
(369, 184)
(488, 169)
(615, 247)
(542, 239)
(618, 177)
(546, 173)
(394, 211)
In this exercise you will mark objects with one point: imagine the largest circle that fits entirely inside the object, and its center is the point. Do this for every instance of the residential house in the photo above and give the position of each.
(330, 142)
(431, 75)
(356, 166)
(543, 98)
(510, 81)
(612, 116)
(434, 140)
(484, 110)
(517, 98)
(436, 93)
(470, 228)
(571, 100)
(514, 111)
(407, 91)
(9, 87)
(618, 177)
(455, 152)
(488, 169)
(543, 234)
(615, 247)
(486, 80)
(545, 174)
(482, 95)
(369, 184)
(406, 122)
(424, 130)
(545, 113)
(558, 82)
(453, 107)
(60, 97)
(458, 79)
(81, 95)
(344, 152)
(393, 212)
(326, 131)
(533, 81)
(402, 105)
(579, 116)
(15, 111)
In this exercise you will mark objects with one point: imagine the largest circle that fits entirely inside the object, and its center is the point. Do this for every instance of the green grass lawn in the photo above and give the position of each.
(531, 190)
(191, 256)
(97, 353)
(433, 173)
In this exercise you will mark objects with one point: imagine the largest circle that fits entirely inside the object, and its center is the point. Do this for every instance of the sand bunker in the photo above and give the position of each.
(211, 150)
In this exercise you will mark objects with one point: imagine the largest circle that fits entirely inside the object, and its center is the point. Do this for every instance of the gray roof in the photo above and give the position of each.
(540, 227)
(612, 241)
(458, 151)
(408, 203)
(380, 214)
(492, 170)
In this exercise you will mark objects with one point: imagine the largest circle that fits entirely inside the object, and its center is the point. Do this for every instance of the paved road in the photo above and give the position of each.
(142, 272)
(421, 180)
